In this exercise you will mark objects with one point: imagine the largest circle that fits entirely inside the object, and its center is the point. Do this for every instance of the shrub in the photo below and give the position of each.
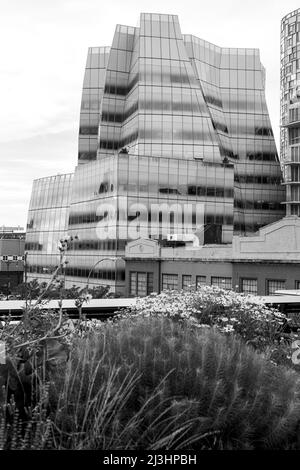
(228, 311)
(151, 383)
(33, 289)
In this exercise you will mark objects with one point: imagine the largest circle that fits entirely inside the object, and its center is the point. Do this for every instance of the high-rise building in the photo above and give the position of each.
(290, 109)
(175, 140)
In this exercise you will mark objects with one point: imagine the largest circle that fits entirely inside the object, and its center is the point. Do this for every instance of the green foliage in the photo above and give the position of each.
(30, 290)
(33, 289)
(35, 347)
(152, 383)
(228, 311)
(15, 434)
(174, 372)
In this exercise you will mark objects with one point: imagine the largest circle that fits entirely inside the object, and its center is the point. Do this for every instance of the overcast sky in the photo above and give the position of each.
(43, 46)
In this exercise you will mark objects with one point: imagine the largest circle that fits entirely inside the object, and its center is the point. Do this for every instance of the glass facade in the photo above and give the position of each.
(173, 95)
(233, 86)
(290, 109)
(47, 223)
(92, 95)
(174, 139)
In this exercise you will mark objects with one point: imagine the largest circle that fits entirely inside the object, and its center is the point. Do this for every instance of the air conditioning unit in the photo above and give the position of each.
(172, 237)
(183, 237)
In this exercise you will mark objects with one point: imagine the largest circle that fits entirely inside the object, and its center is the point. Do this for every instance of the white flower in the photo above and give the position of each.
(228, 329)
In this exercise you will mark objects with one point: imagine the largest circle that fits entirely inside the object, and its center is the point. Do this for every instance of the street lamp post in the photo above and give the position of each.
(94, 266)
(79, 302)
(98, 262)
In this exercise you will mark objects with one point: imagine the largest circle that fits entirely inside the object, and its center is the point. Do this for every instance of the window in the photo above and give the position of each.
(274, 285)
(169, 281)
(200, 281)
(133, 284)
(291, 29)
(186, 281)
(295, 154)
(223, 282)
(294, 136)
(249, 286)
(141, 284)
(149, 283)
(295, 173)
(297, 285)
(294, 114)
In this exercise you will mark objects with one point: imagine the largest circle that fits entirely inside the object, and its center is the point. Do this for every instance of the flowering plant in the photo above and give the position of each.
(210, 306)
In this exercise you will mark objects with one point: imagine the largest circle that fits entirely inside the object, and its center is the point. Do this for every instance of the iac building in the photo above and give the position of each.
(174, 139)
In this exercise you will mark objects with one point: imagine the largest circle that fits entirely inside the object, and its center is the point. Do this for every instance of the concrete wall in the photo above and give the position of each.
(206, 253)
(195, 268)
(148, 256)
(179, 267)
(142, 266)
(272, 254)
(277, 241)
(290, 273)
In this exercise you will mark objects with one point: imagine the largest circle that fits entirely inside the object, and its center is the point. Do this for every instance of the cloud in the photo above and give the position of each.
(28, 159)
